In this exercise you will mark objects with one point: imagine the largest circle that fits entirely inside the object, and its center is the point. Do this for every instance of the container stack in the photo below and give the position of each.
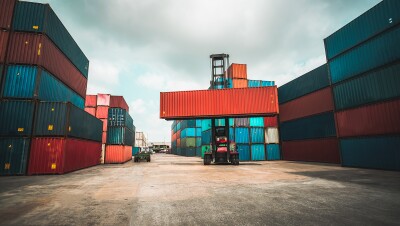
(307, 123)
(364, 66)
(44, 73)
(189, 137)
(118, 131)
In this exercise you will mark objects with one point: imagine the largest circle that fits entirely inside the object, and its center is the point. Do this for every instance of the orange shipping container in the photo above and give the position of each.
(237, 71)
(91, 111)
(260, 101)
(118, 154)
(104, 138)
(239, 83)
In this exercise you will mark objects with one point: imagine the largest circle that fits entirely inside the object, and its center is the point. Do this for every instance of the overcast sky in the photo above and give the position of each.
(138, 48)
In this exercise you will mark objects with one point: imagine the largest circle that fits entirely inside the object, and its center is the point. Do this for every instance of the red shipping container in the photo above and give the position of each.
(6, 13)
(91, 101)
(178, 134)
(260, 101)
(105, 121)
(178, 142)
(321, 150)
(237, 71)
(118, 154)
(37, 49)
(51, 155)
(103, 99)
(239, 83)
(3, 44)
(118, 102)
(310, 104)
(271, 121)
(104, 138)
(377, 119)
(91, 111)
(102, 112)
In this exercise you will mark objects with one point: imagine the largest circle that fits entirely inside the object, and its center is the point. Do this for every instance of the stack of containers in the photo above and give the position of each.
(364, 66)
(42, 63)
(190, 141)
(173, 137)
(237, 76)
(118, 130)
(307, 124)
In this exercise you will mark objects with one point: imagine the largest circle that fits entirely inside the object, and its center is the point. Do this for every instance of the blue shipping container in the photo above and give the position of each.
(120, 135)
(377, 52)
(257, 135)
(119, 117)
(242, 135)
(231, 134)
(371, 152)
(267, 83)
(257, 122)
(206, 137)
(317, 126)
(257, 152)
(198, 132)
(16, 118)
(190, 152)
(198, 122)
(253, 83)
(188, 132)
(14, 155)
(273, 152)
(135, 150)
(205, 124)
(244, 152)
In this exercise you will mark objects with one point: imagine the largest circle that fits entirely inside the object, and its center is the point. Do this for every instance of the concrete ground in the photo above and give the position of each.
(173, 190)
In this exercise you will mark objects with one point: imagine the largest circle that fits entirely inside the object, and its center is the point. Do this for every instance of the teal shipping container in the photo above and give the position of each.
(24, 81)
(257, 135)
(120, 117)
(205, 124)
(267, 83)
(256, 122)
(253, 83)
(66, 120)
(13, 155)
(190, 152)
(178, 126)
(198, 151)
(305, 84)
(198, 123)
(371, 152)
(135, 150)
(273, 152)
(316, 126)
(198, 141)
(241, 135)
(373, 87)
(40, 18)
(231, 134)
(16, 117)
(258, 152)
(198, 132)
(383, 16)
(120, 135)
(188, 132)
(206, 137)
(244, 152)
(383, 49)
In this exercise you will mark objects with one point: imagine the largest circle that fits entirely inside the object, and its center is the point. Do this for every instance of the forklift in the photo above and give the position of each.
(222, 150)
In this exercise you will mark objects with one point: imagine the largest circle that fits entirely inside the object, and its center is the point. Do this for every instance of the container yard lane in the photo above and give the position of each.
(174, 190)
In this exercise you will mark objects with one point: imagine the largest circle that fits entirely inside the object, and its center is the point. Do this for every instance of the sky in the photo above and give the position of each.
(139, 48)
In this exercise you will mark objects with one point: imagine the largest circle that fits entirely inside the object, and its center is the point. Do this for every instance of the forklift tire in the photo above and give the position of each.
(148, 159)
(134, 159)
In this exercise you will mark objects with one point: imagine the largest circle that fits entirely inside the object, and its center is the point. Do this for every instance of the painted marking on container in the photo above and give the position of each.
(7, 166)
(52, 109)
(48, 144)
(69, 128)
(40, 46)
(20, 129)
(53, 166)
(26, 42)
(36, 27)
(50, 127)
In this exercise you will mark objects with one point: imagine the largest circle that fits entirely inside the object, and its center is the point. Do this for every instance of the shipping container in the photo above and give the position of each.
(242, 122)
(271, 121)
(373, 87)
(257, 152)
(310, 104)
(237, 71)
(135, 150)
(105, 123)
(91, 101)
(118, 102)
(103, 99)
(317, 126)
(13, 155)
(239, 83)
(66, 120)
(371, 152)
(307, 83)
(319, 150)
(376, 119)
(120, 117)
(267, 83)
(118, 154)
(205, 137)
(198, 151)
(205, 103)
(40, 18)
(6, 12)
(188, 132)
(379, 51)
(51, 155)
(4, 35)
(104, 137)
(273, 152)
(102, 112)
(253, 83)
(231, 134)
(244, 152)
(91, 110)
(271, 135)
(384, 15)
(257, 135)
(256, 122)
(198, 132)
(188, 142)
(120, 135)
(198, 122)
(16, 117)
(23, 81)
(242, 135)
(190, 152)
(205, 124)
(33, 49)
(198, 141)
